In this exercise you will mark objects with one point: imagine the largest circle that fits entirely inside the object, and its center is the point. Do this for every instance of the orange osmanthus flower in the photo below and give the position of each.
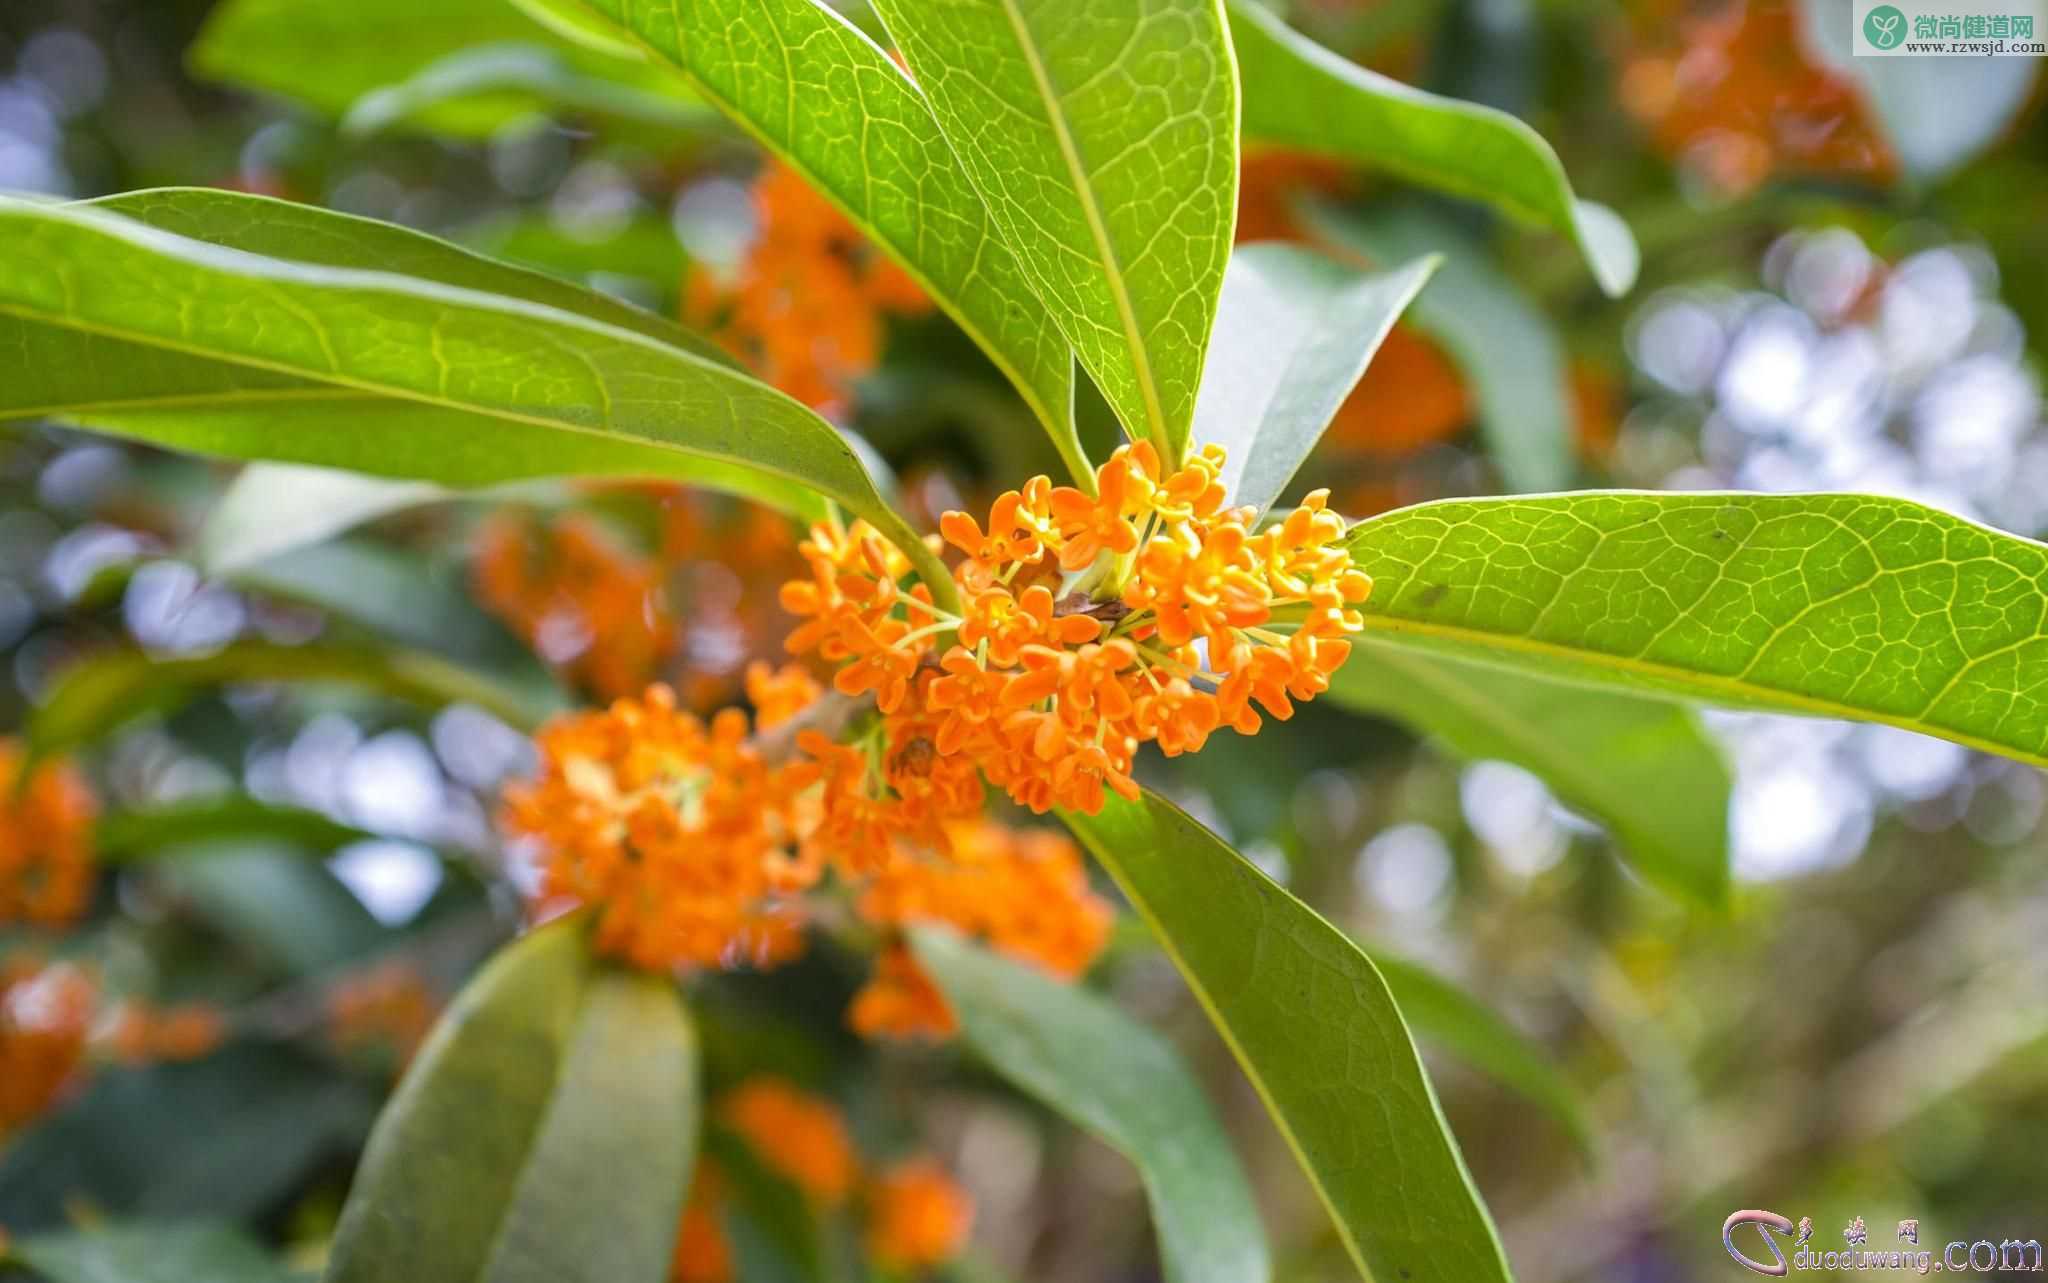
(46, 854)
(805, 306)
(1147, 612)
(918, 1216)
(797, 1134)
(46, 1014)
(139, 1034)
(703, 1254)
(900, 1001)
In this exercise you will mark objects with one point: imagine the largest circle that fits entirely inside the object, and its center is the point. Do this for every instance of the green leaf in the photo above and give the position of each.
(148, 1252)
(1104, 140)
(544, 1133)
(820, 95)
(139, 834)
(1316, 1031)
(1497, 336)
(1442, 1014)
(1294, 332)
(288, 914)
(514, 71)
(98, 695)
(395, 594)
(1302, 95)
(75, 272)
(329, 56)
(273, 508)
(1642, 766)
(1120, 1082)
(1833, 605)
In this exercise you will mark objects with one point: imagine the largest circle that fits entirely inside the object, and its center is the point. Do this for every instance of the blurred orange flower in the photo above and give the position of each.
(799, 1135)
(386, 1009)
(900, 1001)
(918, 1216)
(139, 1034)
(46, 854)
(703, 1254)
(46, 1013)
(1734, 97)
(805, 306)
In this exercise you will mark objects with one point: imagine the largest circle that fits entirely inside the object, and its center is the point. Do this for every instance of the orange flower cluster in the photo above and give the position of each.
(1147, 612)
(45, 1016)
(691, 611)
(918, 1217)
(46, 854)
(1736, 99)
(384, 1011)
(139, 1034)
(585, 604)
(805, 307)
(673, 828)
(796, 1134)
(901, 1001)
(703, 1254)
(696, 850)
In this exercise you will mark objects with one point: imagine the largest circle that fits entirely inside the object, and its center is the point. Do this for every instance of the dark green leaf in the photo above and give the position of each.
(1302, 95)
(1315, 1029)
(106, 691)
(232, 1136)
(1122, 1083)
(286, 913)
(1294, 331)
(147, 1252)
(1642, 766)
(1446, 1016)
(820, 95)
(544, 1133)
(1834, 605)
(1501, 342)
(132, 835)
(1104, 140)
(78, 275)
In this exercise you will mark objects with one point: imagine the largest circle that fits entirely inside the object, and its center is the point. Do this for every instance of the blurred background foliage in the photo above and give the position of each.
(1844, 287)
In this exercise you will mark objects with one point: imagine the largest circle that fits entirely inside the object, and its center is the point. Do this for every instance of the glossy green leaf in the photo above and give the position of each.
(1500, 340)
(1123, 1084)
(329, 56)
(106, 691)
(1104, 139)
(74, 271)
(1302, 95)
(143, 833)
(820, 95)
(1316, 1031)
(511, 71)
(1445, 1016)
(1834, 605)
(544, 1133)
(149, 1252)
(1640, 765)
(1294, 332)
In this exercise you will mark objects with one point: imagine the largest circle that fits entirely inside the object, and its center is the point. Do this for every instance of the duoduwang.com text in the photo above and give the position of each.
(1981, 1257)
